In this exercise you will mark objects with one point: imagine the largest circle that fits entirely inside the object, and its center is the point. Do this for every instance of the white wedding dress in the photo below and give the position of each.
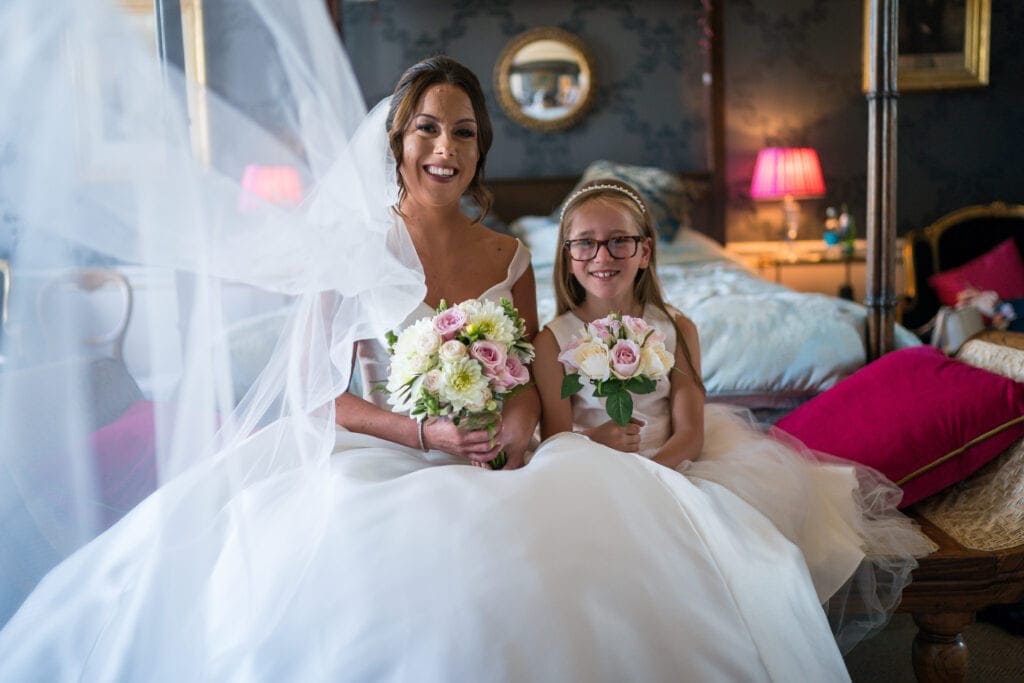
(277, 547)
(586, 565)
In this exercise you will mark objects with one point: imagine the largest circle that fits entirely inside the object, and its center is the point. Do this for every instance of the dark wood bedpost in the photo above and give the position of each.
(715, 65)
(881, 209)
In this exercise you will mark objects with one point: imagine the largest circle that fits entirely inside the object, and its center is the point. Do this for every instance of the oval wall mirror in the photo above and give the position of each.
(544, 79)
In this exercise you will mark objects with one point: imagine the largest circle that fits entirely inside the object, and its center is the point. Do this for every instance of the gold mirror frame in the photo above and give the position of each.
(503, 80)
(964, 67)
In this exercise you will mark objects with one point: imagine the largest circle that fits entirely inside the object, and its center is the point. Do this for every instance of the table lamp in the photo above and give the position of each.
(788, 173)
(279, 185)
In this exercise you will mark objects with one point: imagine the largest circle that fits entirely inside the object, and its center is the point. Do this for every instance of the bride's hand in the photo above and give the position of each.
(478, 445)
(620, 437)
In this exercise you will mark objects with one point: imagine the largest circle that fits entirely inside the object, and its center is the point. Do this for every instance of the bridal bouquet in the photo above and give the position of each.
(620, 355)
(462, 364)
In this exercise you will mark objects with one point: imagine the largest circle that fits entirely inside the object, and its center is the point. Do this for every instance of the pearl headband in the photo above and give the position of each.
(604, 186)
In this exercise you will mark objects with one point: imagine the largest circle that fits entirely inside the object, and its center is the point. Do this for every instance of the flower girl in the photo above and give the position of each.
(857, 547)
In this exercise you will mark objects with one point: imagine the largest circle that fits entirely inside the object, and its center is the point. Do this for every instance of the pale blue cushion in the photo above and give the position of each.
(540, 234)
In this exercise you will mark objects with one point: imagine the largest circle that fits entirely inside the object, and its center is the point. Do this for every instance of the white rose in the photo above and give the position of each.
(650, 363)
(426, 341)
(432, 381)
(479, 403)
(655, 361)
(592, 360)
(452, 350)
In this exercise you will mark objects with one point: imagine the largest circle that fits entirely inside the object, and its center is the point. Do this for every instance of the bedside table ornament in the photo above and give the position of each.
(847, 229)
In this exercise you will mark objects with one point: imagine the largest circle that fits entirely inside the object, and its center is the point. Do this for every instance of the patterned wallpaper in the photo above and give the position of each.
(650, 106)
(793, 77)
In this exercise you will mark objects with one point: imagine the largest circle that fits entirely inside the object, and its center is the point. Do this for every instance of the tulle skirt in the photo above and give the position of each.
(383, 563)
(859, 549)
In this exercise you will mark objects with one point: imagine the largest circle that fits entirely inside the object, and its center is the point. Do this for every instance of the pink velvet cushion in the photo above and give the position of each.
(924, 420)
(125, 459)
(1000, 270)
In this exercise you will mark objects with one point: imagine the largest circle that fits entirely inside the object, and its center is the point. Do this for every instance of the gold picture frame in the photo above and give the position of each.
(942, 45)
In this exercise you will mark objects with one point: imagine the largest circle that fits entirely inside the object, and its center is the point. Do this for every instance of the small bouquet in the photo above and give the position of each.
(462, 363)
(620, 355)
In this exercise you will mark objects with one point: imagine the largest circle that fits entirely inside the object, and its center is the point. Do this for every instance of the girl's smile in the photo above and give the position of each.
(607, 280)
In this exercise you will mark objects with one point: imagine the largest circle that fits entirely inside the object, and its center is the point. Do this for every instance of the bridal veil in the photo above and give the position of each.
(243, 307)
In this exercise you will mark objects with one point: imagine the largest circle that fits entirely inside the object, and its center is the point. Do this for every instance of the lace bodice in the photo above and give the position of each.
(372, 355)
(653, 408)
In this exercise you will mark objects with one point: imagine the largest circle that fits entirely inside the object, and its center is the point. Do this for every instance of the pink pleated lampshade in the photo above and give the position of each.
(787, 171)
(279, 185)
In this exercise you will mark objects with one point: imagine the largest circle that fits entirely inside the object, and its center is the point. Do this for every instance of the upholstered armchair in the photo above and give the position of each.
(949, 242)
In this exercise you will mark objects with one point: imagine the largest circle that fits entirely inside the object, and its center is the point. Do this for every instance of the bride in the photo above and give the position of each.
(298, 531)
(439, 134)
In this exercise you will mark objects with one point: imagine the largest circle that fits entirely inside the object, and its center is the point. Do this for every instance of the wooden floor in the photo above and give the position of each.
(996, 656)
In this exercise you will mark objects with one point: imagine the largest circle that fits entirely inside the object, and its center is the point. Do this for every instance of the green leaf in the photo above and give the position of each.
(620, 407)
(641, 385)
(570, 385)
(499, 461)
(610, 386)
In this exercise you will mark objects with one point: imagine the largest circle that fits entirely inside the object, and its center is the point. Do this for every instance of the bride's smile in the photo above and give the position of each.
(440, 148)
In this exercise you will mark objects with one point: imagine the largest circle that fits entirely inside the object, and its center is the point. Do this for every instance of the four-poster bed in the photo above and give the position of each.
(954, 582)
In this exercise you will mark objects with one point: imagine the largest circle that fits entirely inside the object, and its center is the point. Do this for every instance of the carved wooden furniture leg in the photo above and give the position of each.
(940, 654)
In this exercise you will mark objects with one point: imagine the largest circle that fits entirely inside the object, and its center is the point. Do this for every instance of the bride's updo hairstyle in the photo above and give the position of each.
(410, 88)
(646, 289)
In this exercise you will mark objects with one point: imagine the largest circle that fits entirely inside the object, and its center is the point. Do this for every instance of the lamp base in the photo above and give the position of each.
(791, 225)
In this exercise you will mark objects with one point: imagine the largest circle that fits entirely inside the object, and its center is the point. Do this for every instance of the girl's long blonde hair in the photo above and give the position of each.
(569, 293)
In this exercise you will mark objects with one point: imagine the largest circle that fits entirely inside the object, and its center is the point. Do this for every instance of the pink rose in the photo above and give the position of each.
(516, 371)
(625, 358)
(567, 357)
(657, 336)
(448, 323)
(490, 354)
(602, 329)
(636, 327)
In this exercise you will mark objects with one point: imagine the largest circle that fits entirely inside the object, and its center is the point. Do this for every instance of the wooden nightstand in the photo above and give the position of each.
(809, 267)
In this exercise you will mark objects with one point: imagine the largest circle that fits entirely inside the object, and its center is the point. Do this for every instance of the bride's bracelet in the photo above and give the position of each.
(419, 430)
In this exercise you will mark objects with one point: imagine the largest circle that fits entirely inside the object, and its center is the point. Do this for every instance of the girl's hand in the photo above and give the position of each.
(516, 458)
(620, 437)
(478, 445)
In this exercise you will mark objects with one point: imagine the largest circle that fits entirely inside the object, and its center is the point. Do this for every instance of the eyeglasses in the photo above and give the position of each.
(617, 247)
